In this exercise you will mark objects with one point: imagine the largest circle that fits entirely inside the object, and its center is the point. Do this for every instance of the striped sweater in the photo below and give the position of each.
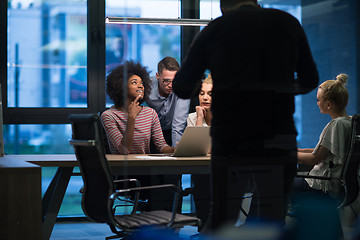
(147, 126)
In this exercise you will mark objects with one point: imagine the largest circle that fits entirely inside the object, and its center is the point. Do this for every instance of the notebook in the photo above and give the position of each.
(195, 141)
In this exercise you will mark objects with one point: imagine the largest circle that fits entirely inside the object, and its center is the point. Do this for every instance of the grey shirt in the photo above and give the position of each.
(172, 111)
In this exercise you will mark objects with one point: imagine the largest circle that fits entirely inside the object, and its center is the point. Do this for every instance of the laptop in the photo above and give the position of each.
(195, 141)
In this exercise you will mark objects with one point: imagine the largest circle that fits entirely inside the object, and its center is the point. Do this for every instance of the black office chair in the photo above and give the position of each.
(144, 202)
(100, 194)
(104, 136)
(349, 178)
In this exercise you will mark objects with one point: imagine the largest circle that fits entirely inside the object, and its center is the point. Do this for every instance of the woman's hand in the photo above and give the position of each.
(200, 112)
(133, 111)
(168, 149)
(134, 108)
(200, 115)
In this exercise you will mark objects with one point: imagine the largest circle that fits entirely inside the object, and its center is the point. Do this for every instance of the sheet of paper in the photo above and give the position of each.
(155, 157)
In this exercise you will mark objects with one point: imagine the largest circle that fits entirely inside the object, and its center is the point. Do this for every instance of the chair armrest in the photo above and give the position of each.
(127, 180)
(138, 189)
(135, 202)
(313, 177)
(137, 182)
(319, 177)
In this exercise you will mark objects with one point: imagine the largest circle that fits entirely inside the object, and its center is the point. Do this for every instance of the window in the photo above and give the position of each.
(209, 9)
(144, 43)
(37, 138)
(47, 54)
(47, 61)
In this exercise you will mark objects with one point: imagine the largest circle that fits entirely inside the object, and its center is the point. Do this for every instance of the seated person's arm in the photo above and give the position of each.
(200, 115)
(134, 110)
(179, 120)
(128, 138)
(305, 150)
(113, 133)
(158, 137)
(309, 158)
(168, 149)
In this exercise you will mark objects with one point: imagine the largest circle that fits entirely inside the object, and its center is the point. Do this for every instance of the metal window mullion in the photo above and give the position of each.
(189, 9)
(96, 55)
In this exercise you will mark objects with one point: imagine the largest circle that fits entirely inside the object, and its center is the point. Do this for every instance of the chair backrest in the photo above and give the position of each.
(105, 138)
(89, 150)
(350, 173)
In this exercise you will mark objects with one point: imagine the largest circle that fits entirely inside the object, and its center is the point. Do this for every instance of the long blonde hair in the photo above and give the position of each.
(335, 91)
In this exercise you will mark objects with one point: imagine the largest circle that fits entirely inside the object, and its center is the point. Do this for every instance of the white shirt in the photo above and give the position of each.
(336, 138)
(191, 120)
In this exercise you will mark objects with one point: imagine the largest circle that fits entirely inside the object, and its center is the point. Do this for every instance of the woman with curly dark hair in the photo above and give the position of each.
(128, 125)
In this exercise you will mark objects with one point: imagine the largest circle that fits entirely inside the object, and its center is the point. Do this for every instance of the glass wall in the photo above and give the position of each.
(47, 54)
(144, 43)
(51, 64)
(209, 9)
(37, 138)
(47, 51)
(46, 68)
(332, 28)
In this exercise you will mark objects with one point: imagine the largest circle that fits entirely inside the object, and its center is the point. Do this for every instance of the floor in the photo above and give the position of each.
(94, 231)
(79, 231)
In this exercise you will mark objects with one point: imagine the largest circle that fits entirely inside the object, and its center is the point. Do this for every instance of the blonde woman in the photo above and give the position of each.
(328, 156)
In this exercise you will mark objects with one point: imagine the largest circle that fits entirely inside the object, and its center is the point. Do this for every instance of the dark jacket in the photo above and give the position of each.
(259, 59)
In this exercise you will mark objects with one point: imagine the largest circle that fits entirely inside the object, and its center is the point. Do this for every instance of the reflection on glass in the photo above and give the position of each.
(37, 139)
(144, 8)
(47, 59)
(47, 53)
(147, 44)
(210, 9)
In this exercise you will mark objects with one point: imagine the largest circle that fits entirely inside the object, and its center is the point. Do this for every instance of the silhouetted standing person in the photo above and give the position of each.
(259, 59)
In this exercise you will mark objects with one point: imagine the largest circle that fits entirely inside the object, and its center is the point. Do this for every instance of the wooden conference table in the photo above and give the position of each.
(119, 164)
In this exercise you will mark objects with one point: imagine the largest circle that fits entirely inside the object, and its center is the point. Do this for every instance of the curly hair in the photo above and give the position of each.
(335, 91)
(115, 81)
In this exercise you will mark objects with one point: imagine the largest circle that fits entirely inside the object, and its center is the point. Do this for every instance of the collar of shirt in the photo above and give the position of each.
(155, 95)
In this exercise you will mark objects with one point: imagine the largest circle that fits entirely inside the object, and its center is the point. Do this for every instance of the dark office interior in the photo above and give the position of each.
(55, 56)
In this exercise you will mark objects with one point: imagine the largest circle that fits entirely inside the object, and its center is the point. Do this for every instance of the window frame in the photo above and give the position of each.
(95, 74)
(96, 100)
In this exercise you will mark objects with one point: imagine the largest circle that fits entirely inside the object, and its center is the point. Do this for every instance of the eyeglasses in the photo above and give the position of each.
(167, 81)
